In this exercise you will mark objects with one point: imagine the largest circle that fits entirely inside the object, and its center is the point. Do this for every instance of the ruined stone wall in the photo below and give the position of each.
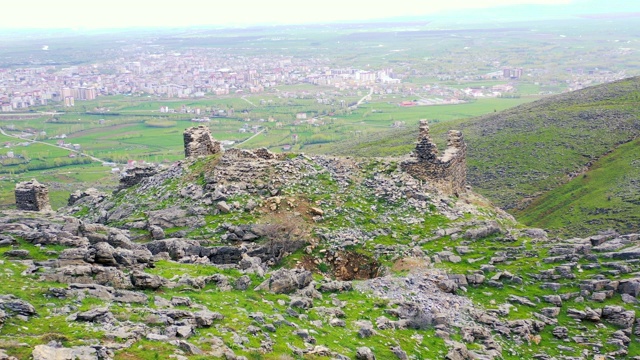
(32, 196)
(134, 175)
(447, 172)
(198, 142)
(243, 164)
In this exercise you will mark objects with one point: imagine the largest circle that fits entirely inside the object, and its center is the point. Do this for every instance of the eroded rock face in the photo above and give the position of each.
(198, 142)
(447, 172)
(32, 196)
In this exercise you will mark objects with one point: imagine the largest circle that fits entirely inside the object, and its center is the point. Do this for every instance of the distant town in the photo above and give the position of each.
(202, 72)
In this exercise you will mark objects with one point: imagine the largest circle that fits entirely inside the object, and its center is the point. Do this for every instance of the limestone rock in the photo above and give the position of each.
(91, 196)
(96, 315)
(458, 352)
(364, 353)
(10, 303)
(157, 233)
(617, 315)
(284, 281)
(189, 348)
(205, 318)
(336, 286)
(243, 282)
(143, 280)
(47, 352)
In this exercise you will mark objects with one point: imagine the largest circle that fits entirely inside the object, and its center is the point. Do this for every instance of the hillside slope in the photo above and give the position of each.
(517, 155)
(251, 255)
(523, 152)
(606, 196)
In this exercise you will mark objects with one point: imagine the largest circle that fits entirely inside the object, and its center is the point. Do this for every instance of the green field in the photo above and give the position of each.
(134, 129)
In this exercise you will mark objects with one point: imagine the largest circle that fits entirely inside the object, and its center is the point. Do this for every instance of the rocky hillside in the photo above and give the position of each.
(249, 255)
(518, 155)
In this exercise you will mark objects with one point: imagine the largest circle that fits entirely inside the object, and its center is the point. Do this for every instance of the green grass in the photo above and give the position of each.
(604, 197)
(520, 154)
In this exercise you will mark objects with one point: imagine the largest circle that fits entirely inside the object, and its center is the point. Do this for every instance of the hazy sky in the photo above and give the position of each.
(127, 13)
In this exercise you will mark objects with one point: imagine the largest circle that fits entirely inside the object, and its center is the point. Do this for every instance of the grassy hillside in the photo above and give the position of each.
(306, 258)
(517, 155)
(608, 195)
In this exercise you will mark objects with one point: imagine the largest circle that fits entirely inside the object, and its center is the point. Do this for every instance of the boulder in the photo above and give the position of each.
(482, 232)
(104, 254)
(629, 286)
(243, 282)
(157, 233)
(47, 352)
(619, 316)
(364, 353)
(284, 281)
(142, 280)
(189, 348)
(205, 318)
(10, 303)
(458, 352)
(448, 286)
(101, 315)
(336, 286)
(560, 332)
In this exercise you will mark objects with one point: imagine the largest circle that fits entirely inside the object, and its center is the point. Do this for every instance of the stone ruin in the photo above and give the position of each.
(198, 142)
(91, 193)
(32, 196)
(447, 172)
(134, 175)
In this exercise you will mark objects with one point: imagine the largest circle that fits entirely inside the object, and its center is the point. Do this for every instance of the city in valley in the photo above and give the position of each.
(337, 180)
(109, 101)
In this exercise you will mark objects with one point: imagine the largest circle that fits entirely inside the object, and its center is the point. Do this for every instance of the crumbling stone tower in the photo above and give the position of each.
(447, 172)
(32, 196)
(198, 142)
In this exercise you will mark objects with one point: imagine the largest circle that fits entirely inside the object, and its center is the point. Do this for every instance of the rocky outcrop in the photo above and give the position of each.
(32, 196)
(91, 196)
(198, 142)
(447, 172)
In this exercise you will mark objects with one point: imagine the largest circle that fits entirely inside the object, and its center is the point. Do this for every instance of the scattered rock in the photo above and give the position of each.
(284, 281)
(364, 353)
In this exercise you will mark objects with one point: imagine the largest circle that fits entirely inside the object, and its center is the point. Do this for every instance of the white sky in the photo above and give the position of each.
(171, 13)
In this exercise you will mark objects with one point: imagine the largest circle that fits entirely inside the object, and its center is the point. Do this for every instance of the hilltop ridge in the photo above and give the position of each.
(518, 155)
(246, 254)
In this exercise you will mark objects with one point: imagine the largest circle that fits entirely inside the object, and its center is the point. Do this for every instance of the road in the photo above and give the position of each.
(365, 97)
(60, 147)
(245, 99)
(254, 135)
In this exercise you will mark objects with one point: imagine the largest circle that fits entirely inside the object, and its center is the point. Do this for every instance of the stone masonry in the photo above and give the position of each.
(136, 174)
(447, 172)
(32, 196)
(198, 142)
